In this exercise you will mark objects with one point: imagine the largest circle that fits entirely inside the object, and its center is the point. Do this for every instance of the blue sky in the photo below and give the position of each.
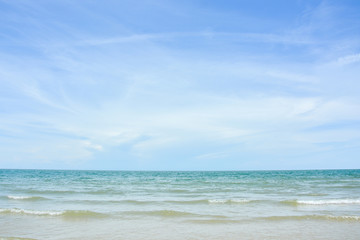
(180, 85)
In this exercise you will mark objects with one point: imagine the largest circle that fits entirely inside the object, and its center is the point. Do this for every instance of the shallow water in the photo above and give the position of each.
(49, 204)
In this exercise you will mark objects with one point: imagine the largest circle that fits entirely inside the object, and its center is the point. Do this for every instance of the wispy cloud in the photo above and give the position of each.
(349, 59)
(284, 38)
(199, 93)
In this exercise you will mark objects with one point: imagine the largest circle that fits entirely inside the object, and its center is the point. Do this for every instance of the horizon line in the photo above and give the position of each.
(119, 170)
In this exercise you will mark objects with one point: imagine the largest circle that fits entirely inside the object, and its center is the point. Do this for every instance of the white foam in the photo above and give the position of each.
(330, 202)
(240, 200)
(349, 218)
(217, 201)
(31, 212)
(19, 197)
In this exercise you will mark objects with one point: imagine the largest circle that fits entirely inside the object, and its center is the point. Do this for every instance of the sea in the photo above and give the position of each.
(151, 205)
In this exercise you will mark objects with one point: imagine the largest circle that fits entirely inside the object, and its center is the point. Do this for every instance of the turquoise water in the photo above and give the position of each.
(50, 204)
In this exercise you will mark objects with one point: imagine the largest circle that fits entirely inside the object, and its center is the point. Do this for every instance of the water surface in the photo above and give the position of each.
(51, 204)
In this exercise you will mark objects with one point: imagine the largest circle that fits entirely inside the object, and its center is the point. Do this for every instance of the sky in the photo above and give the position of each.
(180, 85)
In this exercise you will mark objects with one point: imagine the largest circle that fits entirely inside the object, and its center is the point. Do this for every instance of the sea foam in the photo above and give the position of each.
(31, 212)
(66, 213)
(25, 197)
(314, 217)
(329, 202)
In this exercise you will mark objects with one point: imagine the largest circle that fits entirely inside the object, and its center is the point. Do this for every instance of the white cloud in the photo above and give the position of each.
(122, 39)
(213, 155)
(90, 145)
(349, 59)
(292, 77)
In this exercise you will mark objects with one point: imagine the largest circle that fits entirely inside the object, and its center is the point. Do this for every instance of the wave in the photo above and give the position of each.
(141, 202)
(201, 201)
(229, 201)
(313, 194)
(188, 202)
(170, 214)
(134, 202)
(323, 202)
(102, 202)
(191, 202)
(314, 217)
(28, 198)
(214, 221)
(83, 214)
(31, 212)
(66, 213)
(70, 192)
(178, 191)
(180, 202)
(331, 202)
(161, 213)
(15, 238)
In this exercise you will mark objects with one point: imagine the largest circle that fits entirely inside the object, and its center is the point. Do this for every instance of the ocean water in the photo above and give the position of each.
(51, 204)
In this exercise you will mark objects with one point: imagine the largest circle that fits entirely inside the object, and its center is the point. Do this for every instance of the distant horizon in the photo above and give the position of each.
(114, 170)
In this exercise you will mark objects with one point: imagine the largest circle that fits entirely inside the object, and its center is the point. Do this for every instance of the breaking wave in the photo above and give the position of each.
(314, 217)
(169, 214)
(161, 213)
(27, 198)
(323, 202)
(180, 202)
(67, 213)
